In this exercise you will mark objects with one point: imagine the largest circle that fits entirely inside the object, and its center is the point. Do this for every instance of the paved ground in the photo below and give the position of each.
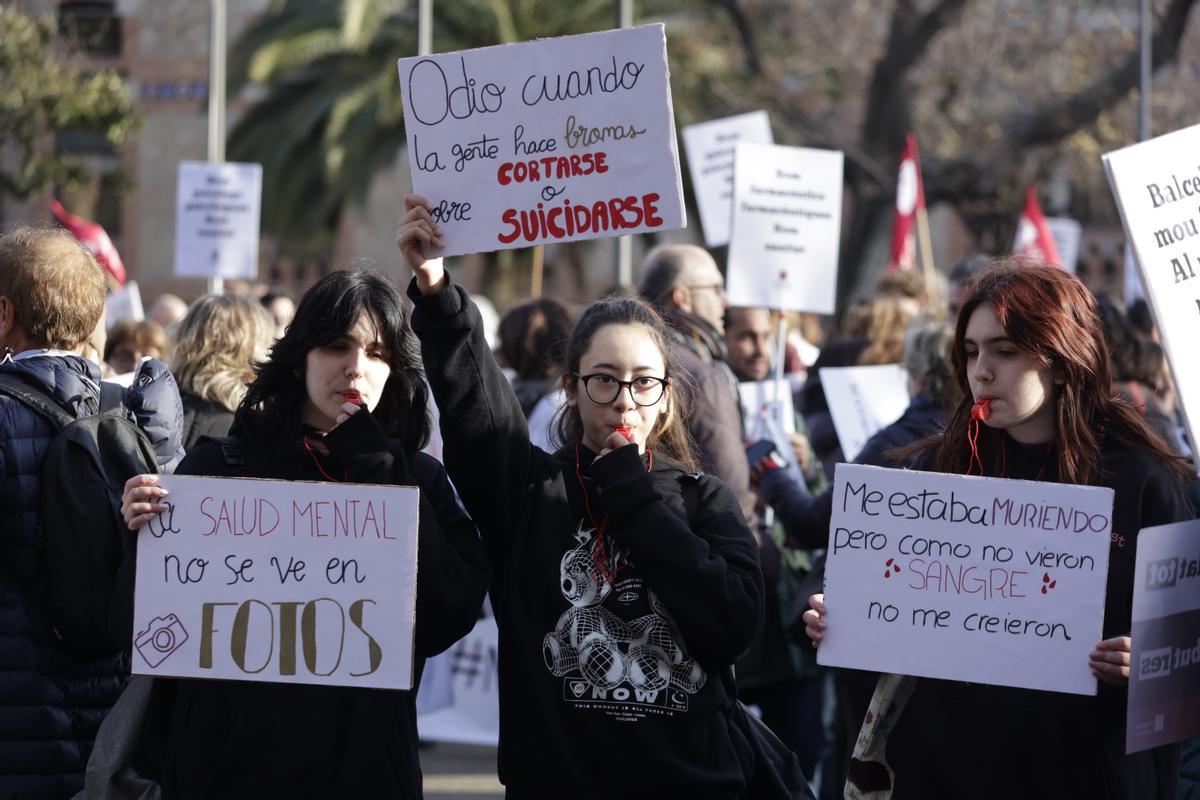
(460, 772)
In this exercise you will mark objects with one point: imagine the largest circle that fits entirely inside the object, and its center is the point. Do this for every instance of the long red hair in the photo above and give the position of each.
(1050, 314)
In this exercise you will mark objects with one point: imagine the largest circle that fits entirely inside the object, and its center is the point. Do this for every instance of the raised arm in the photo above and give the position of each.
(487, 450)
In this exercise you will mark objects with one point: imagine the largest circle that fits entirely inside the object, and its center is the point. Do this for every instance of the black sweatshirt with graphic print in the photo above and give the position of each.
(614, 651)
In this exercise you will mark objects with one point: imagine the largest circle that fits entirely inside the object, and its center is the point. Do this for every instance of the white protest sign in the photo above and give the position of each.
(786, 228)
(123, 304)
(966, 578)
(459, 698)
(1164, 673)
(767, 413)
(1157, 188)
(862, 400)
(217, 219)
(710, 147)
(555, 140)
(278, 581)
(1067, 233)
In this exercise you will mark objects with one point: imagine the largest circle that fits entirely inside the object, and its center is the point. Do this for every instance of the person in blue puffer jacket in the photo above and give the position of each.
(51, 700)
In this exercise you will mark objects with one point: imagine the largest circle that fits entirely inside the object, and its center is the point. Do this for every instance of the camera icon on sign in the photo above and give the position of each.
(163, 636)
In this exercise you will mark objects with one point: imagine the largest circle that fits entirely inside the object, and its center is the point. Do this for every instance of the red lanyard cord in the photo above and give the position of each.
(308, 448)
(599, 549)
(973, 440)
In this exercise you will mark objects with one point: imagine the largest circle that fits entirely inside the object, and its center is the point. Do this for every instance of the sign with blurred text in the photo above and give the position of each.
(710, 150)
(1164, 672)
(785, 228)
(555, 140)
(217, 209)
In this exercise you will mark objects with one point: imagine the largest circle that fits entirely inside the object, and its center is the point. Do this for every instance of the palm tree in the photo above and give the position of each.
(330, 114)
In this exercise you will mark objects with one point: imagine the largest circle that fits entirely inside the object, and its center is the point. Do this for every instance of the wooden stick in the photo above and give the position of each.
(539, 258)
(925, 245)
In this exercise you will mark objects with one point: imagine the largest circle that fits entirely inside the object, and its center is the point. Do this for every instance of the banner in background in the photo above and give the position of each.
(786, 228)
(710, 150)
(278, 581)
(966, 578)
(910, 198)
(1034, 238)
(555, 140)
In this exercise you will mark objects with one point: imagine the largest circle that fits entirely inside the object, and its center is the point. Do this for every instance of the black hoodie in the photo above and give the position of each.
(608, 687)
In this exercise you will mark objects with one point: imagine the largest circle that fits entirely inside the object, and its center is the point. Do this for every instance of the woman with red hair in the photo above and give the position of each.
(1034, 368)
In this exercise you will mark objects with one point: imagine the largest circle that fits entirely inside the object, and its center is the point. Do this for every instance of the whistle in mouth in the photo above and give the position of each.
(628, 434)
(352, 396)
(981, 410)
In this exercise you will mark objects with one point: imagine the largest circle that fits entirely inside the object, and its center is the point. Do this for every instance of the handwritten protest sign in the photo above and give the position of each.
(278, 581)
(710, 150)
(555, 140)
(767, 413)
(966, 578)
(863, 400)
(786, 228)
(1164, 675)
(1157, 188)
(217, 220)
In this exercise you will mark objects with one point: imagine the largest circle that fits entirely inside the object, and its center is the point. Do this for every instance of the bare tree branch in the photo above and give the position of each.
(745, 30)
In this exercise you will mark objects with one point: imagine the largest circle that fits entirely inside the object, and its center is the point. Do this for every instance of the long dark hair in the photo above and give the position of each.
(272, 409)
(1050, 314)
(670, 435)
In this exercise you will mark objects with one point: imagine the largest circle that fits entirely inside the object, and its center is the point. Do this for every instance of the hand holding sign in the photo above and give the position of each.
(415, 233)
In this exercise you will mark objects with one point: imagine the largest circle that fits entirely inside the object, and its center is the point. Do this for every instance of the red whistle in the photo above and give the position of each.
(352, 396)
(628, 434)
(981, 410)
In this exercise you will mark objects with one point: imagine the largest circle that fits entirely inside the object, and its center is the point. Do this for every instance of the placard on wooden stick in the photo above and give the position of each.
(966, 578)
(555, 140)
(786, 228)
(278, 581)
(1157, 188)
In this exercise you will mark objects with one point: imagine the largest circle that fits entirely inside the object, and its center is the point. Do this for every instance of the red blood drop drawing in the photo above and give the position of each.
(1043, 590)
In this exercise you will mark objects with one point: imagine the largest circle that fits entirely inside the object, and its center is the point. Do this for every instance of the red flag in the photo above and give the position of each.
(910, 197)
(1034, 239)
(92, 236)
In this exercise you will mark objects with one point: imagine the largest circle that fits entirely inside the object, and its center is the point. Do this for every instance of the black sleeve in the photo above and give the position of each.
(485, 437)
(805, 518)
(361, 444)
(707, 573)
(452, 570)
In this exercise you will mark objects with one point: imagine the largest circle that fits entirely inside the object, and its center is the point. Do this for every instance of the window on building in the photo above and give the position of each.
(92, 26)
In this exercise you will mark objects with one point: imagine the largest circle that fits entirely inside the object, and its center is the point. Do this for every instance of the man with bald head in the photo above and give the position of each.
(683, 281)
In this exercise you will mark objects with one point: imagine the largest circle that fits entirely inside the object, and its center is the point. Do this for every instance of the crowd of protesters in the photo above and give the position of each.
(592, 448)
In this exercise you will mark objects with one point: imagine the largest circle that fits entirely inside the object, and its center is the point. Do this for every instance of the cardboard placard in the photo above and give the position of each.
(786, 228)
(217, 209)
(1164, 674)
(123, 304)
(278, 581)
(966, 578)
(710, 150)
(1157, 188)
(862, 400)
(555, 140)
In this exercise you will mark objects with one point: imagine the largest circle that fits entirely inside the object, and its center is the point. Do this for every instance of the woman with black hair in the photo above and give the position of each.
(341, 398)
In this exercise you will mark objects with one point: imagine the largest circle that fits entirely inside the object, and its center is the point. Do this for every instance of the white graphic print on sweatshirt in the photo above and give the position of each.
(617, 648)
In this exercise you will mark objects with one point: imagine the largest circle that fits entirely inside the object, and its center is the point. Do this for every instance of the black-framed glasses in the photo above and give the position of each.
(645, 390)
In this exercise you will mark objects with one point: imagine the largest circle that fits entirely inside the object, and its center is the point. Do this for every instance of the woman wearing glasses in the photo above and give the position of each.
(625, 586)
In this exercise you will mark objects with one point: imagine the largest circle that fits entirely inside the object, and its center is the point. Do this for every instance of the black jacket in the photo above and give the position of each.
(52, 701)
(202, 418)
(970, 740)
(241, 739)
(609, 688)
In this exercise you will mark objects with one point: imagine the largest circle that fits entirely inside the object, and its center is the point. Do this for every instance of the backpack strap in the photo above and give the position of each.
(112, 396)
(36, 399)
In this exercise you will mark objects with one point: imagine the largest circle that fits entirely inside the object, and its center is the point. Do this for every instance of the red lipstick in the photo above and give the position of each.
(352, 396)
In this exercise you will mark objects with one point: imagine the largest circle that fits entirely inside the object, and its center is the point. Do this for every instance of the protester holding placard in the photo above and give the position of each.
(625, 584)
(340, 399)
(1030, 357)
